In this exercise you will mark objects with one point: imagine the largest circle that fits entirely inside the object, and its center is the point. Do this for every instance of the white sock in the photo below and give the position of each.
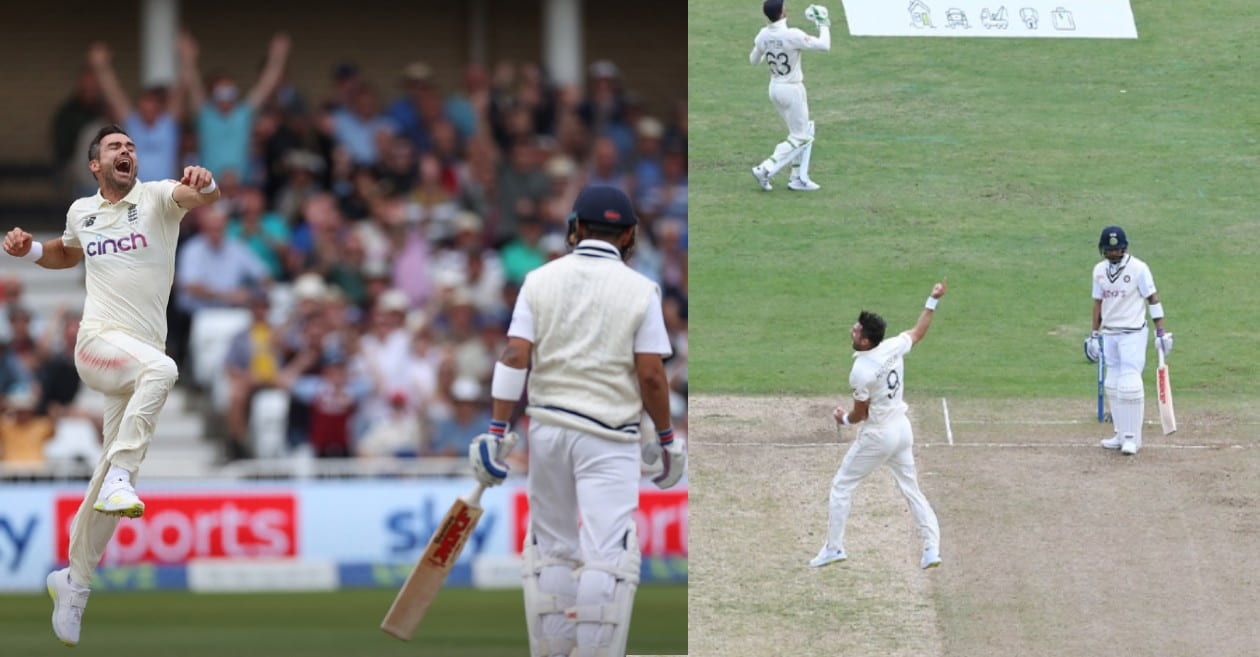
(116, 473)
(796, 173)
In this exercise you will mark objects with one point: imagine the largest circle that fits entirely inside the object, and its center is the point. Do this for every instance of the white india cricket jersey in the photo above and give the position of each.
(1123, 289)
(781, 46)
(878, 377)
(129, 254)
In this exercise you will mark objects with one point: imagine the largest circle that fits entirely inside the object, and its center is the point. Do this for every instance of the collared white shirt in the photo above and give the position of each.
(129, 255)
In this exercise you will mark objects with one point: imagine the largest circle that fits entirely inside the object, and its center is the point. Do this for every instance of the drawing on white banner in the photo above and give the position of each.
(1062, 19)
(994, 20)
(920, 14)
(956, 18)
(1029, 16)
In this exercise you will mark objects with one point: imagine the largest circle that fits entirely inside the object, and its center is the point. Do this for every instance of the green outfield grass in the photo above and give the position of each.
(462, 622)
(996, 162)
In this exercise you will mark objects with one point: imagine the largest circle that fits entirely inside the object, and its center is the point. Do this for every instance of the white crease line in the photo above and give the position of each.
(949, 432)
(990, 445)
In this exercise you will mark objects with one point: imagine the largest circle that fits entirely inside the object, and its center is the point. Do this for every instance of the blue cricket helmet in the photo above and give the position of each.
(1112, 238)
(602, 204)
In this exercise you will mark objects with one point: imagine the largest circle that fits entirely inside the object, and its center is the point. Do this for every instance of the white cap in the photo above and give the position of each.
(309, 286)
(394, 300)
(466, 389)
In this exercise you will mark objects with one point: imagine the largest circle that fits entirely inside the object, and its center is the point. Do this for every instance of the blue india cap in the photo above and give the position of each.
(602, 204)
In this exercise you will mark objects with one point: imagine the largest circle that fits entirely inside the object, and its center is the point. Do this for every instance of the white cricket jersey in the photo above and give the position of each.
(585, 314)
(878, 377)
(1123, 289)
(781, 47)
(129, 254)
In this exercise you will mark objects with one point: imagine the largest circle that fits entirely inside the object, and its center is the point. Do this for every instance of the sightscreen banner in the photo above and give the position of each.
(1085, 19)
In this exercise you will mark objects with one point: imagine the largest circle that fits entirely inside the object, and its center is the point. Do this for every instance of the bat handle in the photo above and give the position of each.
(474, 498)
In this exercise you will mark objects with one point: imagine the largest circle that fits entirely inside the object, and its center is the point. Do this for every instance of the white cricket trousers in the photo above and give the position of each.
(790, 99)
(574, 476)
(1124, 355)
(887, 443)
(135, 378)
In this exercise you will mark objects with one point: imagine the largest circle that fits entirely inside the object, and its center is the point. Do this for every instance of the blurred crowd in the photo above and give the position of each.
(358, 275)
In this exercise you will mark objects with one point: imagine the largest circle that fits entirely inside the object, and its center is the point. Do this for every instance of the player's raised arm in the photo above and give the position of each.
(196, 188)
(819, 15)
(925, 318)
(49, 255)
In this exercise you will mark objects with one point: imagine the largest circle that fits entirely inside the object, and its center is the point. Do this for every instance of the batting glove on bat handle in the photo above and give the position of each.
(1164, 342)
(487, 454)
(1091, 347)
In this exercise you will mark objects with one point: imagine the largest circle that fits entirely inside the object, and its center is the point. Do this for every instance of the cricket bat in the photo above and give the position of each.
(421, 587)
(1164, 388)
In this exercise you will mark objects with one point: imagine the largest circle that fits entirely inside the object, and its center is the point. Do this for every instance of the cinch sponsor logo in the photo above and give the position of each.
(123, 244)
(661, 520)
(176, 528)
(452, 537)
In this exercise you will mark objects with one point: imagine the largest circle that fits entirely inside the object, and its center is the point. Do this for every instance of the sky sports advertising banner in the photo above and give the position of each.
(1063, 19)
(315, 535)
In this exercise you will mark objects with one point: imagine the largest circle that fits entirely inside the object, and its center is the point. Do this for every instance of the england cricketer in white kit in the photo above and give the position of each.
(1123, 290)
(780, 46)
(128, 233)
(593, 331)
(878, 381)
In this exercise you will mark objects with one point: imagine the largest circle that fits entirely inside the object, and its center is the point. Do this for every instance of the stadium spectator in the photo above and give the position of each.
(471, 415)
(214, 270)
(153, 123)
(359, 126)
(84, 107)
(265, 232)
(524, 254)
(332, 397)
(225, 121)
(23, 432)
(605, 166)
(398, 434)
(252, 364)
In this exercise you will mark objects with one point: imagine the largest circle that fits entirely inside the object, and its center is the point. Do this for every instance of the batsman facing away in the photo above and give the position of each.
(588, 334)
(1123, 287)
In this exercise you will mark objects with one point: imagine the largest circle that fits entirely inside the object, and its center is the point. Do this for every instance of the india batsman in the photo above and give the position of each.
(593, 331)
(780, 47)
(1123, 290)
(128, 230)
(878, 379)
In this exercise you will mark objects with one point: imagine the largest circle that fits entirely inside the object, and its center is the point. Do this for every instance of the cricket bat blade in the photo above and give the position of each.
(426, 579)
(1167, 418)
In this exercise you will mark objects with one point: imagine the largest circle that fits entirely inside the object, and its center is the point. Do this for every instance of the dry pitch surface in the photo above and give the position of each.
(1051, 545)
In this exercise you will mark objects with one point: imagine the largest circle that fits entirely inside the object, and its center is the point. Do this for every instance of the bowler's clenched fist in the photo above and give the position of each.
(196, 177)
(17, 242)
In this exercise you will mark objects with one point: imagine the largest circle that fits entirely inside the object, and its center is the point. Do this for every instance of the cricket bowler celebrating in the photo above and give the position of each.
(780, 47)
(878, 381)
(128, 230)
(1123, 286)
(593, 330)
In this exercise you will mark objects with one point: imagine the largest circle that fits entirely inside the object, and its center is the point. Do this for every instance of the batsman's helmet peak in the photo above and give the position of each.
(604, 205)
(1113, 238)
(773, 9)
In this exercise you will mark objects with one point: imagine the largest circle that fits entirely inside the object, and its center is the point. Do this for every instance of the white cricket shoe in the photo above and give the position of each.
(1114, 442)
(68, 603)
(827, 556)
(1131, 445)
(118, 498)
(763, 177)
(803, 185)
(931, 557)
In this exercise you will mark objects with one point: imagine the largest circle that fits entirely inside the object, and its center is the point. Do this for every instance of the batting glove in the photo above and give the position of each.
(818, 14)
(673, 460)
(1091, 347)
(1163, 341)
(487, 454)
